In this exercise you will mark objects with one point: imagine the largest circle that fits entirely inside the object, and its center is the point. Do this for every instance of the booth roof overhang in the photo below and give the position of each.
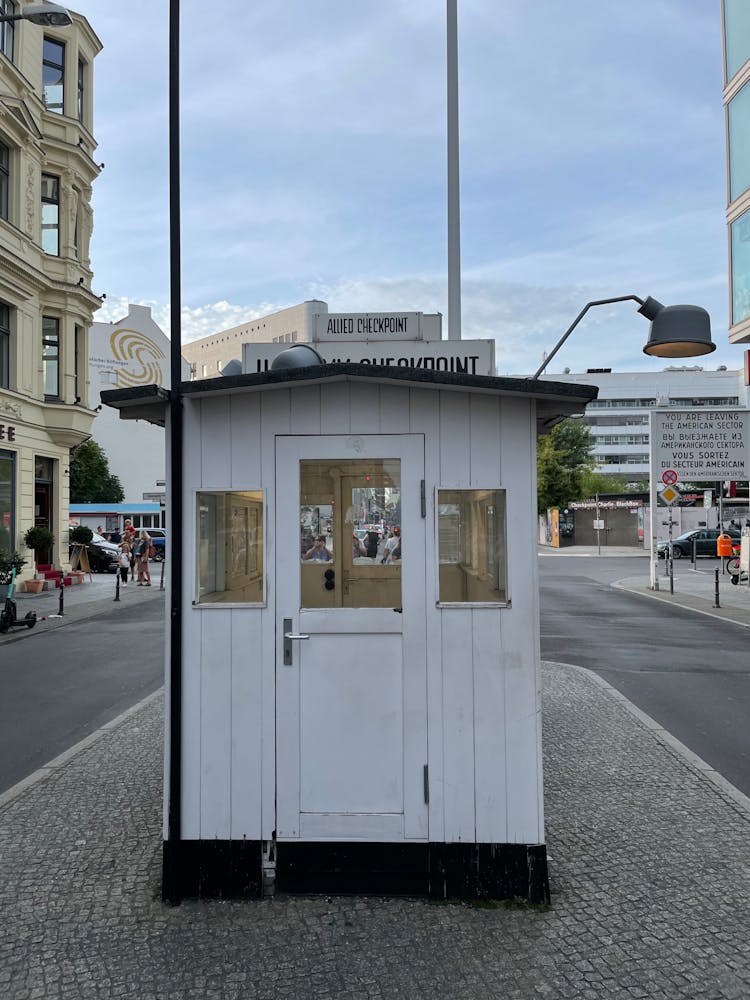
(555, 400)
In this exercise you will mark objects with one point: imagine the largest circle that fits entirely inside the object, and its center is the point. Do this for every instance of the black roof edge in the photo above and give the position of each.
(315, 373)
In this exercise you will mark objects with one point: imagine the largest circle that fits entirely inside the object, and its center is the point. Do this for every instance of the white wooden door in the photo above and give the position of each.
(350, 699)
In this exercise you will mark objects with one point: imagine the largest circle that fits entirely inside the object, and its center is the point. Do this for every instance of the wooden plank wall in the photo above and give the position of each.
(482, 685)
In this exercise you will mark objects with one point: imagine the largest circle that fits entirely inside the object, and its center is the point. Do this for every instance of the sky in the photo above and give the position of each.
(313, 166)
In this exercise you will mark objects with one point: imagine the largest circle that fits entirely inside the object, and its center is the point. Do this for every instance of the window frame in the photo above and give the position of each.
(198, 600)
(48, 227)
(497, 489)
(7, 30)
(55, 109)
(7, 455)
(46, 359)
(6, 333)
(5, 165)
(81, 91)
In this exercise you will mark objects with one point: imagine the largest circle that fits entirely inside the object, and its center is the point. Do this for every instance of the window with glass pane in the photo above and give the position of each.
(350, 533)
(50, 214)
(230, 547)
(739, 143)
(51, 356)
(7, 505)
(4, 347)
(737, 34)
(81, 87)
(4, 181)
(7, 9)
(741, 268)
(53, 75)
(472, 549)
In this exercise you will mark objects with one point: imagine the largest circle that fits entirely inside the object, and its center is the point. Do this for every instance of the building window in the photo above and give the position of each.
(736, 34)
(81, 88)
(4, 181)
(7, 29)
(50, 214)
(4, 347)
(53, 76)
(78, 349)
(51, 357)
(741, 268)
(229, 527)
(739, 143)
(7, 501)
(472, 548)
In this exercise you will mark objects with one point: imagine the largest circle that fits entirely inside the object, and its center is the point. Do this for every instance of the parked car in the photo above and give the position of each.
(705, 542)
(102, 554)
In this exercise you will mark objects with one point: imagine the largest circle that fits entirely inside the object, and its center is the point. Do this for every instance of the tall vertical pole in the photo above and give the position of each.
(454, 207)
(171, 869)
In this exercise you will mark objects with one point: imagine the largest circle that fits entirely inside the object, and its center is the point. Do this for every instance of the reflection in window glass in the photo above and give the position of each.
(741, 268)
(7, 526)
(350, 533)
(230, 547)
(737, 29)
(472, 546)
(739, 143)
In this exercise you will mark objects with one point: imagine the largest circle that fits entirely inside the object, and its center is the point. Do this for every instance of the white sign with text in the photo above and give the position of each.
(377, 326)
(701, 443)
(462, 357)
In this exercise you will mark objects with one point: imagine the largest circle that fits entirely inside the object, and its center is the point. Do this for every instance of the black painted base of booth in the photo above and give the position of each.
(216, 868)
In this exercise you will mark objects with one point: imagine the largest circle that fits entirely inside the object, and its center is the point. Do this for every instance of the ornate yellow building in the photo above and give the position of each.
(46, 303)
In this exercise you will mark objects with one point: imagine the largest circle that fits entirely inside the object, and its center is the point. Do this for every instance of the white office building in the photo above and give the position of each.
(619, 418)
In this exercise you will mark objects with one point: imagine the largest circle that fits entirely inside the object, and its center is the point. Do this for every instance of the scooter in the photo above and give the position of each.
(9, 614)
(733, 567)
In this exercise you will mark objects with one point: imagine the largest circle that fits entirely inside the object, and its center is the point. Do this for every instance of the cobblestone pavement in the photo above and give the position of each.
(650, 878)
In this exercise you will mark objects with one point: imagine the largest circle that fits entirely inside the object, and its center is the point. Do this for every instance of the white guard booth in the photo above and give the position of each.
(360, 695)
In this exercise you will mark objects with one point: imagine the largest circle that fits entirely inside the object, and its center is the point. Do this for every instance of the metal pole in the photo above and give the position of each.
(171, 871)
(454, 204)
(117, 586)
(716, 589)
(598, 532)
(671, 555)
(61, 607)
(163, 564)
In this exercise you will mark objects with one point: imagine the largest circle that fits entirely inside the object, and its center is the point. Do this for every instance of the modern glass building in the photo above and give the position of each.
(736, 35)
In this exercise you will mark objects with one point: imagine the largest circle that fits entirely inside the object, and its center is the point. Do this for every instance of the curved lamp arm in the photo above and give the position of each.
(579, 317)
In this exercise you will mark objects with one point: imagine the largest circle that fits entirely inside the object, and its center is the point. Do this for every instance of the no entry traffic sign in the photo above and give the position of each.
(669, 477)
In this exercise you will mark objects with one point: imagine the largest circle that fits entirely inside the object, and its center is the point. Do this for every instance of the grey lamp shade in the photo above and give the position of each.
(678, 331)
(299, 356)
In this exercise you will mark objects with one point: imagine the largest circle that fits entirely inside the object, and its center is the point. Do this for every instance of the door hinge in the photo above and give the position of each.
(422, 498)
(426, 781)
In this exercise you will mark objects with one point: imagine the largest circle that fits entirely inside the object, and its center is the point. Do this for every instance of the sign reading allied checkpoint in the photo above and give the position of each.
(701, 443)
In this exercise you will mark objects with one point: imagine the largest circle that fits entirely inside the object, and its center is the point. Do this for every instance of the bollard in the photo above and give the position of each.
(117, 586)
(163, 564)
(671, 576)
(716, 590)
(693, 555)
(61, 606)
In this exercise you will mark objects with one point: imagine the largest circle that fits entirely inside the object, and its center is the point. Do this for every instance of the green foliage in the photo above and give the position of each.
(80, 535)
(563, 461)
(9, 562)
(90, 478)
(39, 539)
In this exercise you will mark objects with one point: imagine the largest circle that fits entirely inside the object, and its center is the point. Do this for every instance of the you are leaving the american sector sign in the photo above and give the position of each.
(701, 443)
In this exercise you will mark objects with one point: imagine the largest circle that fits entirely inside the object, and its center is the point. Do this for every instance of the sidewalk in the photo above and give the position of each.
(649, 874)
(85, 600)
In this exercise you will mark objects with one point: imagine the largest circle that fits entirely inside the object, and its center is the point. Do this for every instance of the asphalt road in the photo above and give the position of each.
(689, 671)
(61, 685)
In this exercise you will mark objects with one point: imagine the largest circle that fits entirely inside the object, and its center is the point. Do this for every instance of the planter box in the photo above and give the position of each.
(34, 586)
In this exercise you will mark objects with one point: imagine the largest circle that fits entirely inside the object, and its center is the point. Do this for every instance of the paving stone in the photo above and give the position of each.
(649, 870)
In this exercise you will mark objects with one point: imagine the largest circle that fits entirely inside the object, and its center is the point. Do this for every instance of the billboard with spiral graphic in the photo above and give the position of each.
(137, 359)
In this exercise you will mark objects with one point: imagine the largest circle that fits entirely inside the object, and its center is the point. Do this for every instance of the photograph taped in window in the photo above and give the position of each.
(472, 547)
(230, 547)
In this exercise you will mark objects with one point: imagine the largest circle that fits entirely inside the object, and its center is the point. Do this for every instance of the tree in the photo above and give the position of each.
(563, 460)
(90, 478)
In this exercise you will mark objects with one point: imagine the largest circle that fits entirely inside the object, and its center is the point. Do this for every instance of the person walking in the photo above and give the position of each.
(128, 534)
(141, 555)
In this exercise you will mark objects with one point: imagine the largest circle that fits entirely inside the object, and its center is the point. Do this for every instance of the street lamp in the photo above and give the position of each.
(676, 331)
(47, 15)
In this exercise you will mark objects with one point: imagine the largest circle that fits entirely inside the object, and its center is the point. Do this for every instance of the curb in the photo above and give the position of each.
(49, 769)
(690, 758)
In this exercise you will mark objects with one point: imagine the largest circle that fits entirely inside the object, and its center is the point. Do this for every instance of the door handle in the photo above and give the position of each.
(289, 638)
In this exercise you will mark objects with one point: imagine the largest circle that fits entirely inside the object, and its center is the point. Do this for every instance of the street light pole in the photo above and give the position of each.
(454, 205)
(171, 868)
